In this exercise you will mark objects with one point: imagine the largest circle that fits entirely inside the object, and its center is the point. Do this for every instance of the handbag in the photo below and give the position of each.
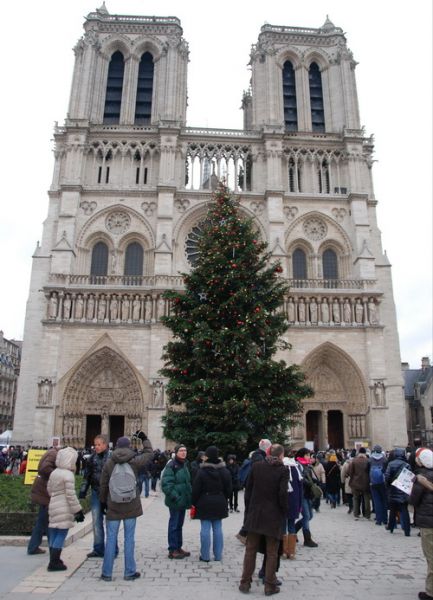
(193, 512)
(316, 490)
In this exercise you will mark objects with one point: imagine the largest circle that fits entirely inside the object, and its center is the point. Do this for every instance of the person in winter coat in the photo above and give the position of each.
(421, 498)
(319, 471)
(92, 476)
(397, 500)
(294, 507)
(233, 467)
(344, 475)
(308, 479)
(211, 489)
(176, 485)
(266, 511)
(377, 485)
(127, 512)
(39, 496)
(333, 479)
(359, 481)
(64, 507)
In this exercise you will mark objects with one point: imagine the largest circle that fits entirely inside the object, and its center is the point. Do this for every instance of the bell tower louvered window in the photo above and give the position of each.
(299, 264)
(113, 97)
(134, 259)
(143, 105)
(289, 98)
(316, 98)
(99, 264)
(330, 265)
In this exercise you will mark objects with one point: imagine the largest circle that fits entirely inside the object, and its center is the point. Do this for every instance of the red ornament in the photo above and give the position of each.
(257, 309)
(184, 372)
(278, 269)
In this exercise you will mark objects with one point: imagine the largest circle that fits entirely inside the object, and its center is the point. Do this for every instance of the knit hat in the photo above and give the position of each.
(424, 457)
(212, 454)
(123, 442)
(178, 447)
(377, 449)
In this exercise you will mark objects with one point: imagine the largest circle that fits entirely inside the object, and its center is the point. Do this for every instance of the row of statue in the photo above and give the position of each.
(356, 311)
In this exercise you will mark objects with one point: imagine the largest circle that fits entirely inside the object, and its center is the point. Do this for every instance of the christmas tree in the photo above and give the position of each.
(224, 386)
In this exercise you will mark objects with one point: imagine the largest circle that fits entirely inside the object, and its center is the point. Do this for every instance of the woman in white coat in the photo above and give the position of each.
(64, 507)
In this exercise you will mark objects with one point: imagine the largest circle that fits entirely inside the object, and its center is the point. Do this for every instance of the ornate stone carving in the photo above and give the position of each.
(182, 204)
(257, 206)
(339, 214)
(158, 394)
(148, 208)
(53, 304)
(118, 222)
(88, 207)
(315, 228)
(378, 390)
(45, 392)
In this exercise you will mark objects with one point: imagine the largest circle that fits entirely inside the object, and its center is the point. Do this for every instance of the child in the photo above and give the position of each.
(64, 507)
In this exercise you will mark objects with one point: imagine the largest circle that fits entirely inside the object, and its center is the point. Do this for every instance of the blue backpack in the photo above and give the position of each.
(376, 475)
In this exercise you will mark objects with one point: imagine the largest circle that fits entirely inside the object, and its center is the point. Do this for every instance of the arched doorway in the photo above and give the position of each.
(339, 397)
(103, 393)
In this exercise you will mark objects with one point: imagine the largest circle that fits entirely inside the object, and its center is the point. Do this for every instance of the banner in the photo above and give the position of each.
(33, 458)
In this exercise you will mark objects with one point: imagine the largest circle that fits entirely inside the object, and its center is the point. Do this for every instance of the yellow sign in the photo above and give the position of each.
(33, 458)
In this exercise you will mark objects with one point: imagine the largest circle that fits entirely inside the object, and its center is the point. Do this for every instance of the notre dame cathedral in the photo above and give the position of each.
(130, 189)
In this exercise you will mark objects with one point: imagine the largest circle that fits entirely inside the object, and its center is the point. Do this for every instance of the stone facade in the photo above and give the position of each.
(131, 177)
(418, 392)
(10, 359)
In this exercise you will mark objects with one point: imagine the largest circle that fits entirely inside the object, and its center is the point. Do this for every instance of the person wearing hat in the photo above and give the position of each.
(176, 486)
(211, 489)
(127, 512)
(377, 484)
(421, 498)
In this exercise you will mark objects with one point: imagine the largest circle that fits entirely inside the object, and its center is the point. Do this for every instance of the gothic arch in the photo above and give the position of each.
(147, 44)
(103, 383)
(318, 56)
(288, 54)
(335, 231)
(114, 43)
(336, 379)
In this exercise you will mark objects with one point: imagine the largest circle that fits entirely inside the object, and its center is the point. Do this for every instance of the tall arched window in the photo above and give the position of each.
(330, 264)
(316, 98)
(134, 259)
(289, 97)
(143, 104)
(299, 264)
(99, 265)
(113, 97)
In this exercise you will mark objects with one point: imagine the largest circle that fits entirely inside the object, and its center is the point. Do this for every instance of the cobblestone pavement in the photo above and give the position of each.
(355, 560)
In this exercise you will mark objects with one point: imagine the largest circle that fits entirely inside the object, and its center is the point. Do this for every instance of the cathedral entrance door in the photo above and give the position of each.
(117, 428)
(335, 429)
(93, 428)
(314, 419)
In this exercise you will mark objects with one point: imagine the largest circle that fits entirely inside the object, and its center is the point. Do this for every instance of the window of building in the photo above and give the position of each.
(99, 265)
(289, 97)
(134, 259)
(191, 243)
(330, 264)
(113, 97)
(316, 98)
(143, 104)
(299, 264)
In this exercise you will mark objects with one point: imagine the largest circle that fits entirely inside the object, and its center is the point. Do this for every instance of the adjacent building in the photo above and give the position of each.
(130, 189)
(418, 392)
(10, 359)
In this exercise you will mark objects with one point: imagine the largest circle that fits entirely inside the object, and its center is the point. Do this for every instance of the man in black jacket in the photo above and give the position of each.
(92, 477)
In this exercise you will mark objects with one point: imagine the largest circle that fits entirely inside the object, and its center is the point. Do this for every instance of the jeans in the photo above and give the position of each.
(39, 530)
(218, 541)
(175, 525)
(154, 482)
(380, 502)
(333, 497)
(307, 513)
(111, 544)
(400, 507)
(57, 537)
(144, 481)
(291, 526)
(98, 524)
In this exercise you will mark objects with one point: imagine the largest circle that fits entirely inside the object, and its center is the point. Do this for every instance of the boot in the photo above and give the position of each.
(307, 539)
(286, 550)
(291, 546)
(55, 563)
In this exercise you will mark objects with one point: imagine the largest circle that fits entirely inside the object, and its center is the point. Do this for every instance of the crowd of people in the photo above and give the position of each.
(283, 491)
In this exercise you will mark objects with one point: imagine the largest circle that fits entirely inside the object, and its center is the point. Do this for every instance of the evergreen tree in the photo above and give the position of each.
(224, 387)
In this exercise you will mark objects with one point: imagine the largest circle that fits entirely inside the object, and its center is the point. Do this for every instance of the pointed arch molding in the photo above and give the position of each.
(336, 379)
(335, 233)
(103, 382)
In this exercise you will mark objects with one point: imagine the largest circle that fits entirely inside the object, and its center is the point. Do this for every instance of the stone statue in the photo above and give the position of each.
(324, 309)
(148, 308)
(301, 310)
(359, 311)
(53, 305)
(313, 310)
(336, 311)
(125, 308)
(114, 307)
(136, 304)
(67, 303)
(90, 307)
(45, 393)
(372, 314)
(102, 307)
(291, 311)
(79, 307)
(158, 394)
(347, 313)
(160, 307)
(379, 393)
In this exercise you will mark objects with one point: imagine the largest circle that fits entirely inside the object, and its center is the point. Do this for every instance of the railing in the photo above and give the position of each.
(121, 281)
(332, 284)
(101, 16)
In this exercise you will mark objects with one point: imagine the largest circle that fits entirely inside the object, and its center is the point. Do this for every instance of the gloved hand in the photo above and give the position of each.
(104, 508)
(141, 435)
(79, 516)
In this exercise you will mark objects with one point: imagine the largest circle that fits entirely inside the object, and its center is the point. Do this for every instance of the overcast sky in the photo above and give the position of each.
(390, 39)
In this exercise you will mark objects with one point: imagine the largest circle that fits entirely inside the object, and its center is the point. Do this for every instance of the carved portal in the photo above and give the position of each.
(103, 384)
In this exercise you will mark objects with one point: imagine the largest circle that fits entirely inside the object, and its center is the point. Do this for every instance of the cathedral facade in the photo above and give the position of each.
(131, 186)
